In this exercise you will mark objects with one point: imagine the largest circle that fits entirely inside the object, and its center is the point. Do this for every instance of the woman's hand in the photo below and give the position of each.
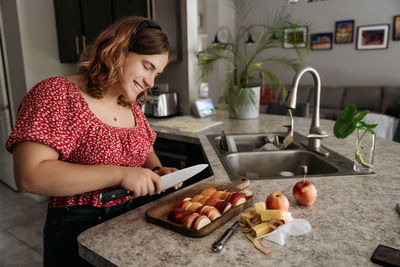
(165, 170)
(140, 181)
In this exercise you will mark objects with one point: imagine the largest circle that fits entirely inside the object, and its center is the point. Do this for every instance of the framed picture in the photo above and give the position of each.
(296, 37)
(321, 41)
(344, 30)
(372, 37)
(396, 28)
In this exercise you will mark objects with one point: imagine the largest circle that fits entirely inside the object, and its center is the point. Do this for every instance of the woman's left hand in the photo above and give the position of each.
(165, 170)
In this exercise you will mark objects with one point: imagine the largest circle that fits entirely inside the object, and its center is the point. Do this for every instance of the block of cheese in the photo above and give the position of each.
(261, 229)
(260, 206)
(267, 215)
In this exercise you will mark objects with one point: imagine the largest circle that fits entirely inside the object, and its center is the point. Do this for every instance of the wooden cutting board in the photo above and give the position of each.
(158, 214)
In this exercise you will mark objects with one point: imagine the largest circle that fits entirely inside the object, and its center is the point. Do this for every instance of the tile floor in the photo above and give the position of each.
(21, 228)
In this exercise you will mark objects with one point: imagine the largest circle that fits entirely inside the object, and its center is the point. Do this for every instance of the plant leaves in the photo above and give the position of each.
(347, 122)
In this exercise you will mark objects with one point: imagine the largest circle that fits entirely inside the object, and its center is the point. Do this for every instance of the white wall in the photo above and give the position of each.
(39, 41)
(343, 65)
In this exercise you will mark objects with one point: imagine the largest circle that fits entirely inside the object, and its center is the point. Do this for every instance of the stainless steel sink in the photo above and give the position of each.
(249, 162)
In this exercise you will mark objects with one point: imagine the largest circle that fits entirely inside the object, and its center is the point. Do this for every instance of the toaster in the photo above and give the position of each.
(161, 105)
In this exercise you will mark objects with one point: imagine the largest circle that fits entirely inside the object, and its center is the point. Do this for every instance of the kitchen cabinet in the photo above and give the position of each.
(80, 21)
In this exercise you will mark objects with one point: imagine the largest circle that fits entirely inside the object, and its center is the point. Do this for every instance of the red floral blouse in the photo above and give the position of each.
(55, 113)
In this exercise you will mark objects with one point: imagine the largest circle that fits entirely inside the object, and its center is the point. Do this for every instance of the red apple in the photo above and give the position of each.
(178, 215)
(277, 201)
(305, 193)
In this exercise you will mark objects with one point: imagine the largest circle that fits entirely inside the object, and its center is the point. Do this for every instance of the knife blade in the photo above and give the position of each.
(169, 180)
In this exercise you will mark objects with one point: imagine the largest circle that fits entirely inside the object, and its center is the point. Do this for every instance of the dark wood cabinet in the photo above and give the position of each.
(79, 22)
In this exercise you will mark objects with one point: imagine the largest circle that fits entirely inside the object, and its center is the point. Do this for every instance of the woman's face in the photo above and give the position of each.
(139, 72)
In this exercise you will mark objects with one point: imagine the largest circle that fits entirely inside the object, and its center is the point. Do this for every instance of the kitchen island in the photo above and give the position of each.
(352, 215)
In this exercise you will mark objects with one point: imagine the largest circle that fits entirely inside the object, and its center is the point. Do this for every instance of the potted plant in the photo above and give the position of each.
(246, 62)
(346, 124)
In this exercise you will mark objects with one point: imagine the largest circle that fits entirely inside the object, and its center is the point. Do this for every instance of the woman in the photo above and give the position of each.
(78, 136)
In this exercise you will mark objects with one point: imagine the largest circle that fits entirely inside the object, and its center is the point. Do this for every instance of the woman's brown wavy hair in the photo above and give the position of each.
(102, 63)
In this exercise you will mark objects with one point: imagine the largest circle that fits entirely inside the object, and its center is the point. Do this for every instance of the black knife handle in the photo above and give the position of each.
(114, 194)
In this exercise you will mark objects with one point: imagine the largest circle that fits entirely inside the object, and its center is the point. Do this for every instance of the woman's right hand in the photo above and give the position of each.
(140, 181)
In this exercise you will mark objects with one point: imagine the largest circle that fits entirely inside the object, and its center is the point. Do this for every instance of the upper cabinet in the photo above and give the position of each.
(79, 22)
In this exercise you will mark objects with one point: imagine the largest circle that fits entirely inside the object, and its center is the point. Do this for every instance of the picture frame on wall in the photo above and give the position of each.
(396, 28)
(344, 31)
(321, 41)
(295, 37)
(372, 37)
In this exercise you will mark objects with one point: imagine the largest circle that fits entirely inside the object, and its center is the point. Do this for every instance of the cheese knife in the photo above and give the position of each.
(169, 180)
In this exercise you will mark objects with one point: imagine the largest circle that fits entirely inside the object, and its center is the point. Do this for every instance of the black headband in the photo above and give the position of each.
(147, 24)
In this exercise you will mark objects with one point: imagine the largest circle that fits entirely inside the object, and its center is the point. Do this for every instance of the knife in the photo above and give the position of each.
(169, 180)
(218, 245)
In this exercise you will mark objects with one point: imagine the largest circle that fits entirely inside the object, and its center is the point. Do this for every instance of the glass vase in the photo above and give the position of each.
(364, 152)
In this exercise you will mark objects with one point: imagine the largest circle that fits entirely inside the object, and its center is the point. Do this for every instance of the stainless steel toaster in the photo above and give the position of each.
(161, 105)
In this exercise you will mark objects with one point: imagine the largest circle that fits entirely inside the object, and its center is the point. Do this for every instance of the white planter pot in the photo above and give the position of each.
(251, 111)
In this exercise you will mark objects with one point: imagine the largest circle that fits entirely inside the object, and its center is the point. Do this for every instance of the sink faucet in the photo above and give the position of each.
(316, 133)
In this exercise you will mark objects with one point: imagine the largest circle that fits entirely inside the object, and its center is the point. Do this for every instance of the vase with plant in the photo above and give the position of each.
(247, 61)
(346, 124)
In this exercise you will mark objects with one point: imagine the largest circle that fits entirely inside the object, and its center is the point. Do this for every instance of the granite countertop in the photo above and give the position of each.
(352, 214)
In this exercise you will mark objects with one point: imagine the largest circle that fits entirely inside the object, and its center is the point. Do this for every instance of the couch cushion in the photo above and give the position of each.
(391, 96)
(331, 97)
(364, 97)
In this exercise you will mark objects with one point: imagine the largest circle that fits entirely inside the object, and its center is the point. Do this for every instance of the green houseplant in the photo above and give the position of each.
(349, 121)
(247, 63)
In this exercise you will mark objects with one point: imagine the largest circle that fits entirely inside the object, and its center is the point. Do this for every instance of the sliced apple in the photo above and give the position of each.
(211, 201)
(178, 215)
(219, 194)
(182, 203)
(223, 206)
(200, 221)
(194, 206)
(197, 198)
(190, 219)
(237, 199)
(209, 191)
(226, 195)
(247, 193)
(204, 199)
(212, 213)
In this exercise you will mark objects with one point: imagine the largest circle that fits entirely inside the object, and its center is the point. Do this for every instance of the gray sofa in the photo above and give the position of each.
(335, 98)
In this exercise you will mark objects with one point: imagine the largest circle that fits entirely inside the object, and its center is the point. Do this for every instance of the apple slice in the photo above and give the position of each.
(212, 213)
(178, 215)
(226, 195)
(209, 191)
(194, 206)
(247, 193)
(219, 194)
(204, 199)
(200, 221)
(197, 198)
(237, 199)
(187, 205)
(190, 219)
(223, 206)
(182, 203)
(211, 201)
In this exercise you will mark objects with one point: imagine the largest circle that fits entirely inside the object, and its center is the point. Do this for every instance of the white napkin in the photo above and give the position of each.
(292, 228)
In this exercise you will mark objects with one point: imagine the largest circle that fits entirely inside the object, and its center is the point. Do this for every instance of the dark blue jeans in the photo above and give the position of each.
(63, 227)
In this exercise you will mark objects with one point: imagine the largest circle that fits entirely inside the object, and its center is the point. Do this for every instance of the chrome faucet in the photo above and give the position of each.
(316, 133)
